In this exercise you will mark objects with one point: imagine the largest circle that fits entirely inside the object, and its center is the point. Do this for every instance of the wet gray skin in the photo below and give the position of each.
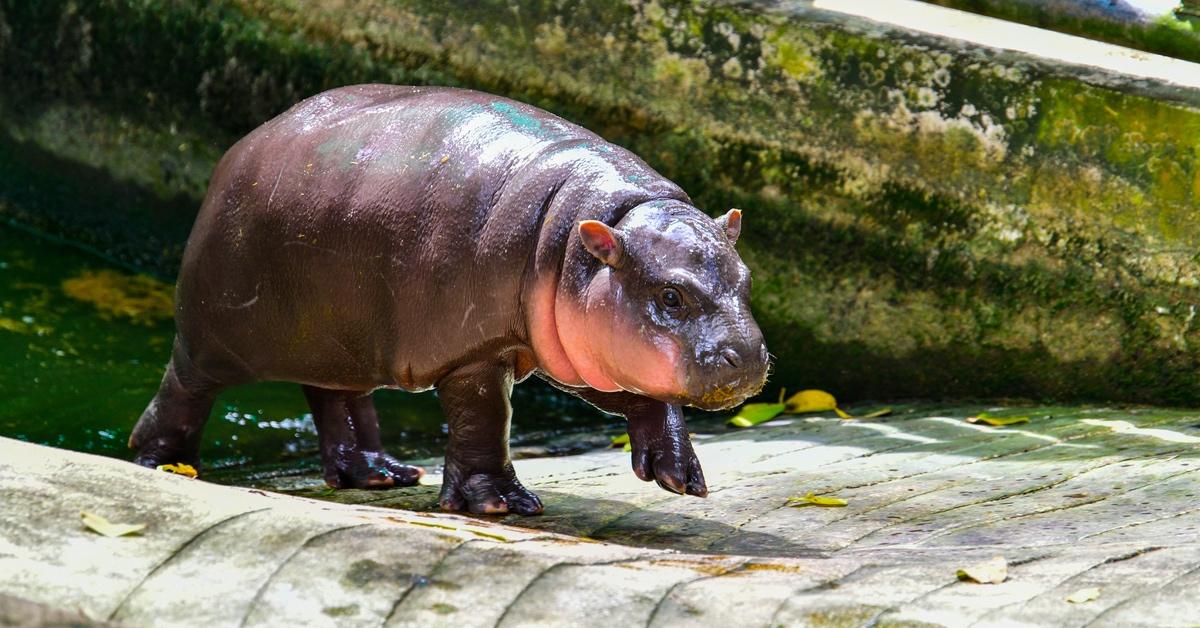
(381, 236)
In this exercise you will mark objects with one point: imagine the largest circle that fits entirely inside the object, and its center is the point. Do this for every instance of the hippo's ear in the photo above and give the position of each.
(601, 241)
(731, 222)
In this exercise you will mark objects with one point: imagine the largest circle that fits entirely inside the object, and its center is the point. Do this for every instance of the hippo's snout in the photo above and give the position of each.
(745, 355)
(730, 374)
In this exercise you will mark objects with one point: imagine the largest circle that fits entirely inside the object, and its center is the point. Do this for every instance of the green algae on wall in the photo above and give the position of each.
(923, 218)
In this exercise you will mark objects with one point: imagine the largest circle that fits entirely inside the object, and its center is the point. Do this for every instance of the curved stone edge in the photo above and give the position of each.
(1070, 501)
(217, 555)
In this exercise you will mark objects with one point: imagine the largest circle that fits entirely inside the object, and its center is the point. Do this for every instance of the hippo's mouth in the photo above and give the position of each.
(726, 396)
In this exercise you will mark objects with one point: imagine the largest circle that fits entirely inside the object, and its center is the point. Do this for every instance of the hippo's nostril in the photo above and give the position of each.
(731, 358)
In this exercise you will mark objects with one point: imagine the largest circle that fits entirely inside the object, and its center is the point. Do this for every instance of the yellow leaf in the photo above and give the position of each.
(754, 413)
(811, 401)
(100, 525)
(623, 439)
(178, 469)
(814, 500)
(992, 571)
(1084, 595)
(997, 421)
(627, 447)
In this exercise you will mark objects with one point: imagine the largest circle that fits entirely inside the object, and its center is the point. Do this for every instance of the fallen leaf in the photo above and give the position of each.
(997, 421)
(754, 413)
(805, 401)
(622, 441)
(813, 500)
(812, 401)
(178, 469)
(1084, 595)
(992, 571)
(100, 525)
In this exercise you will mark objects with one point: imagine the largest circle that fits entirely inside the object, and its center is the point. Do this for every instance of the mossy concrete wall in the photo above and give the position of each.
(924, 217)
(1157, 28)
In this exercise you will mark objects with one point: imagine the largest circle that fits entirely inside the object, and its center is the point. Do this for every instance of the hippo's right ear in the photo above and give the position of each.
(731, 222)
(601, 241)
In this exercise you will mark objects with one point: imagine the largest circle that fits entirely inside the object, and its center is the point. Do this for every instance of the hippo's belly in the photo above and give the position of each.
(366, 238)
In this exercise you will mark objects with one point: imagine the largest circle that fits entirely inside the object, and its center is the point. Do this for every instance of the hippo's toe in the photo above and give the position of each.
(486, 493)
(356, 468)
(675, 468)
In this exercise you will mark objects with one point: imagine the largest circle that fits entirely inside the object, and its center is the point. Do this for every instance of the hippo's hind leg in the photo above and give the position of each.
(479, 475)
(351, 450)
(170, 427)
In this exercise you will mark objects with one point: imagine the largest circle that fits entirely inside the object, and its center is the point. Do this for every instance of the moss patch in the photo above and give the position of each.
(138, 298)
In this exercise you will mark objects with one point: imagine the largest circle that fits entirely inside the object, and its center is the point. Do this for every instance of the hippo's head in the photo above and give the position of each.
(668, 315)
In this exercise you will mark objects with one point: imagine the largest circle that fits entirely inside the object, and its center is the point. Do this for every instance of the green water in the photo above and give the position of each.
(73, 377)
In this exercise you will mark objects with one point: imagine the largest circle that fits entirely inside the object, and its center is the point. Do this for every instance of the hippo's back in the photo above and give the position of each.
(366, 146)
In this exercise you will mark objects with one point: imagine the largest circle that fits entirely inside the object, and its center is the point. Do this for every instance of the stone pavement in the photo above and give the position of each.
(1074, 499)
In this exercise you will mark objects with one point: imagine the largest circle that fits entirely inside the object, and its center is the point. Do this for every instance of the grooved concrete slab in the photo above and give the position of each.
(1075, 498)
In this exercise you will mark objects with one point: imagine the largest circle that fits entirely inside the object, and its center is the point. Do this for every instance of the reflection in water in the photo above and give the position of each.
(82, 349)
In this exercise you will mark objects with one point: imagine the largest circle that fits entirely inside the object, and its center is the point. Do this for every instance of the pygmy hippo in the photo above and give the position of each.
(414, 237)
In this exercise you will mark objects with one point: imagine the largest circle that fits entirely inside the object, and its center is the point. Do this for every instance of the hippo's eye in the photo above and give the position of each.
(670, 298)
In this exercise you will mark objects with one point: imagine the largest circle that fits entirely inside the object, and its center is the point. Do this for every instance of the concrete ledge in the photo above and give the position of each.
(221, 556)
(1073, 499)
(1092, 61)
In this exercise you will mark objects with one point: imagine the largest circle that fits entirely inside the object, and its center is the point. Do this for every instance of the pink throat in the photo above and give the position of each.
(551, 326)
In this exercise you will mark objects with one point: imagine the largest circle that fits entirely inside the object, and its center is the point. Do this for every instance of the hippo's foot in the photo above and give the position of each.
(157, 451)
(667, 458)
(486, 493)
(350, 467)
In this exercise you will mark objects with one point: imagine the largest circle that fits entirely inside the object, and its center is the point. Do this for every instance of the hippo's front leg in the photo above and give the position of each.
(479, 475)
(662, 449)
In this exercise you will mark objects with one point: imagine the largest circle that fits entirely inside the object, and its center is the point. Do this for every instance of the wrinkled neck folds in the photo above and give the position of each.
(561, 337)
(583, 338)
